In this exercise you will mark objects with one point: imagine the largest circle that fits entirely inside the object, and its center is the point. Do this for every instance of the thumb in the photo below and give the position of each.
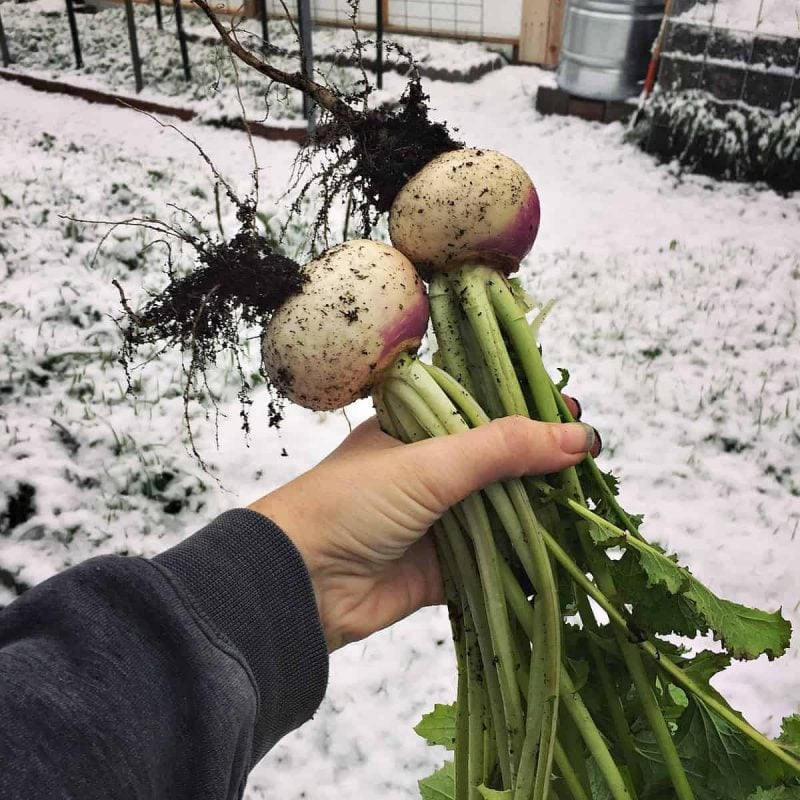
(449, 468)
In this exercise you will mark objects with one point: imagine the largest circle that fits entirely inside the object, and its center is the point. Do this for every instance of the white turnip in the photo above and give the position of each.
(362, 305)
(466, 205)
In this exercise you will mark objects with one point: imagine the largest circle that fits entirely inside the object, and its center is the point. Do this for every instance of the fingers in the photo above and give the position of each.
(451, 467)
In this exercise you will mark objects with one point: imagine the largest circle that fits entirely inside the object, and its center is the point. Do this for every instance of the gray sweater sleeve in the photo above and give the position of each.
(161, 679)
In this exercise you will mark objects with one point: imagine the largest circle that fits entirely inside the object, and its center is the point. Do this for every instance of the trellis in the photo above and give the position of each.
(728, 97)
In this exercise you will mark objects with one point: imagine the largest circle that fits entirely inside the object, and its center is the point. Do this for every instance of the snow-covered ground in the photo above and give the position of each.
(677, 316)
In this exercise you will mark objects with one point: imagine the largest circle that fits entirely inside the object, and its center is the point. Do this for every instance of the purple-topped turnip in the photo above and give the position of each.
(466, 205)
(362, 306)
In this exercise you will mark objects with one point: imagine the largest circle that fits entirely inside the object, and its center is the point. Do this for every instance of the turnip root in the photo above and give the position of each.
(466, 205)
(362, 306)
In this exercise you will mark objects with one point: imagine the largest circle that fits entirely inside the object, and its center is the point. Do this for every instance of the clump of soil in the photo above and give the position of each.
(373, 154)
(237, 282)
(389, 145)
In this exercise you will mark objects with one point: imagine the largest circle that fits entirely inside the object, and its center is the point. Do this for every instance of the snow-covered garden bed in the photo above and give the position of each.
(40, 45)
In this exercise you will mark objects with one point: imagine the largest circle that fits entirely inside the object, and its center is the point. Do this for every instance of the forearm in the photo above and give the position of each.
(126, 678)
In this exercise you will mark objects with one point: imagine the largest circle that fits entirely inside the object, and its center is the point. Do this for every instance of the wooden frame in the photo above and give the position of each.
(540, 31)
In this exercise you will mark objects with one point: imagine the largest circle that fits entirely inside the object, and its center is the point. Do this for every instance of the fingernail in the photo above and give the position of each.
(578, 408)
(597, 445)
(578, 437)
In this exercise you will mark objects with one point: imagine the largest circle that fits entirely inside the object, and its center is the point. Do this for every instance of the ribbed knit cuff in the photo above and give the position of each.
(248, 580)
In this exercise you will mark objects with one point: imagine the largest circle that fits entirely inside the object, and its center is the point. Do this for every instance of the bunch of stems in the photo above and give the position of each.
(511, 554)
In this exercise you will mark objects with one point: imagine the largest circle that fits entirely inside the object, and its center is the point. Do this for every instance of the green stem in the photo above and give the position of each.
(470, 283)
(624, 738)
(593, 738)
(482, 671)
(568, 773)
(594, 470)
(438, 417)
(445, 317)
(470, 710)
(513, 507)
(512, 317)
(587, 728)
(569, 739)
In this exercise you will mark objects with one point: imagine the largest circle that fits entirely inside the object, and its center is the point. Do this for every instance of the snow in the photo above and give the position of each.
(40, 44)
(772, 17)
(677, 307)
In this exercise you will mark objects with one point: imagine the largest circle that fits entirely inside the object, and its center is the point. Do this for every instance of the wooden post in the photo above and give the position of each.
(540, 31)
(554, 31)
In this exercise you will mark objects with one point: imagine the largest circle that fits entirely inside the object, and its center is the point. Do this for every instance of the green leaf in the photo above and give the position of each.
(703, 667)
(772, 768)
(495, 794)
(718, 758)
(655, 610)
(439, 726)
(563, 379)
(790, 734)
(745, 632)
(441, 785)
(777, 793)
(522, 295)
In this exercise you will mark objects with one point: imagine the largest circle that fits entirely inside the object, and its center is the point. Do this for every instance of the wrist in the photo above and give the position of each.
(299, 529)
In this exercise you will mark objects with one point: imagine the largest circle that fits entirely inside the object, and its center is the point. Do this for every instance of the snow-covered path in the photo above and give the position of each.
(676, 316)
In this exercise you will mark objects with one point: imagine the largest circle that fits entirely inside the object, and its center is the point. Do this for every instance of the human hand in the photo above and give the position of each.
(360, 517)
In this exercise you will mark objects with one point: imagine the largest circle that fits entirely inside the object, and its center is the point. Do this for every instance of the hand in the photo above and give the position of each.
(360, 517)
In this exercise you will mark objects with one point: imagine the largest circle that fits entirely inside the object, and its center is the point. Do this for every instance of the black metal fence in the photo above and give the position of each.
(73, 11)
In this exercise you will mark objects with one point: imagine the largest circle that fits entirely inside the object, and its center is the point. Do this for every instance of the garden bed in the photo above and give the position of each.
(40, 47)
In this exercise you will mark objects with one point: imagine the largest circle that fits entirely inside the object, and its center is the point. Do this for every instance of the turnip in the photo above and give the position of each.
(330, 344)
(466, 205)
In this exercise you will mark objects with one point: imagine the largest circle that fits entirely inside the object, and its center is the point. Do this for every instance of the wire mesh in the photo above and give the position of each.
(439, 17)
(744, 52)
(729, 100)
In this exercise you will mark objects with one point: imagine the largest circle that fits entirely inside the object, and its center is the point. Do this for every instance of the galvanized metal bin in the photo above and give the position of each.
(606, 47)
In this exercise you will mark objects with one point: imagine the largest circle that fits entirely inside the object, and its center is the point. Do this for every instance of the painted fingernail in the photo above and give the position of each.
(580, 438)
(578, 409)
(597, 445)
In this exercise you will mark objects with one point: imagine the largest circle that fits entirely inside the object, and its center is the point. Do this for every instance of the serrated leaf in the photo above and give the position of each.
(563, 379)
(441, 785)
(703, 667)
(777, 793)
(605, 537)
(773, 769)
(655, 610)
(439, 726)
(719, 758)
(495, 794)
(745, 632)
(790, 734)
